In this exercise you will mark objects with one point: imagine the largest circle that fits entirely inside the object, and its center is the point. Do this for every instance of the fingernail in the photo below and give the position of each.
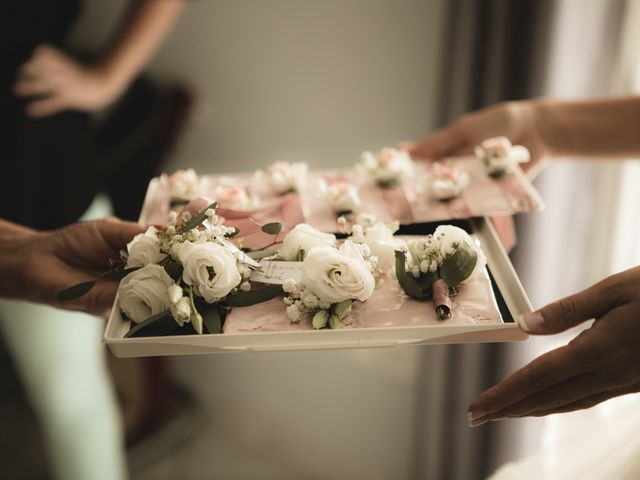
(475, 419)
(532, 322)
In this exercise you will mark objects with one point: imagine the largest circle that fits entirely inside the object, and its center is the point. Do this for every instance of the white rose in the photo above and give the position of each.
(301, 239)
(210, 268)
(144, 293)
(449, 237)
(183, 183)
(389, 166)
(342, 197)
(284, 176)
(334, 276)
(144, 249)
(383, 244)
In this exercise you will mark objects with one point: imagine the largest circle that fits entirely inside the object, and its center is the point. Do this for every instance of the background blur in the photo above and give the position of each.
(320, 81)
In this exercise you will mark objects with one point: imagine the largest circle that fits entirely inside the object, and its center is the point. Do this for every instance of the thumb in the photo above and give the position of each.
(441, 143)
(570, 311)
(117, 233)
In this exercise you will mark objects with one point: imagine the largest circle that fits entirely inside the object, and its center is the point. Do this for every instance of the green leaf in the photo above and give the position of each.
(212, 317)
(154, 326)
(75, 291)
(272, 228)
(456, 268)
(173, 269)
(198, 219)
(409, 284)
(118, 275)
(253, 296)
(260, 254)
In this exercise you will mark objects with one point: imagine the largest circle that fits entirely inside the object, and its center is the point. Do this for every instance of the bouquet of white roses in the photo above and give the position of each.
(499, 157)
(437, 263)
(185, 277)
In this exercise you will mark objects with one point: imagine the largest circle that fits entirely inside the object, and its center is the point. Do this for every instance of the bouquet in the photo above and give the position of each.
(286, 177)
(340, 195)
(388, 168)
(185, 277)
(499, 157)
(446, 181)
(326, 279)
(182, 185)
(438, 263)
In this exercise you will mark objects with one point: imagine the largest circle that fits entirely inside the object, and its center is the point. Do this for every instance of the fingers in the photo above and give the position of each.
(547, 370)
(570, 311)
(441, 143)
(117, 233)
(46, 106)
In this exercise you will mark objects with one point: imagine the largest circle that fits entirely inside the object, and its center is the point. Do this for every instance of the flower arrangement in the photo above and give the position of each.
(331, 279)
(437, 263)
(185, 277)
(446, 181)
(286, 177)
(182, 185)
(379, 238)
(499, 157)
(341, 196)
(389, 167)
(235, 197)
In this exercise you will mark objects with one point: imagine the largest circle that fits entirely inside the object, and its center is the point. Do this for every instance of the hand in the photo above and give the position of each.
(515, 120)
(60, 83)
(39, 265)
(600, 363)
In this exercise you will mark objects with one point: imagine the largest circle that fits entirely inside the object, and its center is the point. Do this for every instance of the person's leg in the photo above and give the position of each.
(61, 363)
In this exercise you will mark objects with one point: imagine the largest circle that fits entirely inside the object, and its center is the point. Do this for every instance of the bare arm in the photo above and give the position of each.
(65, 84)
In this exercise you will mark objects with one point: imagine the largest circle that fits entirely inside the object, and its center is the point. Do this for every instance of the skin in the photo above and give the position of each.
(58, 82)
(603, 361)
(36, 266)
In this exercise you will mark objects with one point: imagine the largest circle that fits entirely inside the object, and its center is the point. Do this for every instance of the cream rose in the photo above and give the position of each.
(210, 268)
(342, 196)
(389, 166)
(285, 177)
(337, 275)
(144, 293)
(302, 239)
(144, 249)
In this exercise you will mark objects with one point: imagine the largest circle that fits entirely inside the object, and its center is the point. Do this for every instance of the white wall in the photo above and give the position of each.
(319, 81)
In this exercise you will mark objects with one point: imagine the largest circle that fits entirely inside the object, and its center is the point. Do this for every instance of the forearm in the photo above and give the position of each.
(604, 128)
(145, 26)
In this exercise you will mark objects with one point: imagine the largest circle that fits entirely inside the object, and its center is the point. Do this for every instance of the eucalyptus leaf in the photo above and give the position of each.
(75, 291)
(409, 284)
(198, 219)
(154, 326)
(118, 275)
(457, 267)
(212, 318)
(253, 296)
(272, 228)
(173, 269)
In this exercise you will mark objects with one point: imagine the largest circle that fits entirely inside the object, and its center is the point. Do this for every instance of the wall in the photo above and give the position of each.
(318, 81)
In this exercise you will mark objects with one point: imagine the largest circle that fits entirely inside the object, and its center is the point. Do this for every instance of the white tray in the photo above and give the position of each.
(511, 297)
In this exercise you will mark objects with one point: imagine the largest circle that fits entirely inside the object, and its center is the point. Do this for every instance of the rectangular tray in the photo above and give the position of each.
(511, 298)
